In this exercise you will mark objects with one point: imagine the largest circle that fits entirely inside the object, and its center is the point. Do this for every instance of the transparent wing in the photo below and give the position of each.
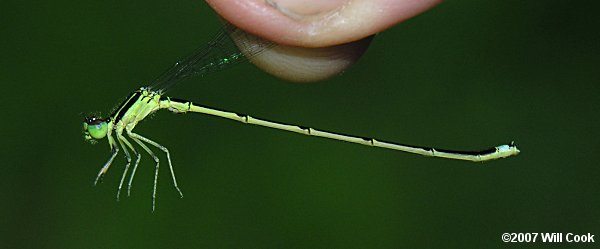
(220, 53)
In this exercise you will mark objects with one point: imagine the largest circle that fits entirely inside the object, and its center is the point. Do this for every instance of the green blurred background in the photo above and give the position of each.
(465, 75)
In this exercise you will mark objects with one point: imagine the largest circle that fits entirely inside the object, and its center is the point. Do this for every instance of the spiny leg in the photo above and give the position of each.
(164, 149)
(122, 141)
(137, 162)
(156, 159)
(128, 157)
(129, 184)
(104, 168)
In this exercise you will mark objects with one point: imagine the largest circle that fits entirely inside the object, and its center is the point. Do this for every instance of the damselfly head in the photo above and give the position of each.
(94, 128)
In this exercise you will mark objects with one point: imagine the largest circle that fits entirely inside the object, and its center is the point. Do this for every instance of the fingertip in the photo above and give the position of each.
(317, 39)
(317, 23)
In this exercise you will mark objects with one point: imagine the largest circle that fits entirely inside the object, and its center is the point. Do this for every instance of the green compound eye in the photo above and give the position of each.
(95, 129)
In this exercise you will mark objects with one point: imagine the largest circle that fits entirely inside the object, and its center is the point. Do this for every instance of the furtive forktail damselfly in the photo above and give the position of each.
(220, 53)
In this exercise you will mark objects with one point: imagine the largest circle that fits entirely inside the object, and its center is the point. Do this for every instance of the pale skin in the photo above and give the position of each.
(342, 28)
